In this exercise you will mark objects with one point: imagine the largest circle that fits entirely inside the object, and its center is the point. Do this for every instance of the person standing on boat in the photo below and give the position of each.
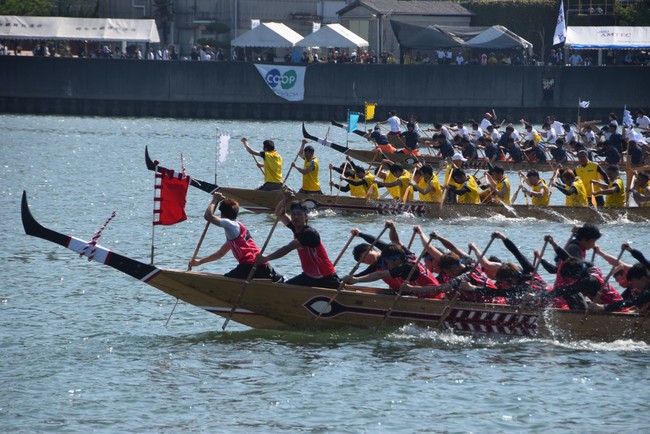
(309, 171)
(272, 165)
(317, 269)
(588, 171)
(573, 189)
(394, 123)
(486, 121)
(238, 241)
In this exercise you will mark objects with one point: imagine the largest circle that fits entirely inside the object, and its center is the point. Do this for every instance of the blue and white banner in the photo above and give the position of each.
(287, 82)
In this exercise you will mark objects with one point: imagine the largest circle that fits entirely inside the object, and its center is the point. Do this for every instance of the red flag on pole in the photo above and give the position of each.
(170, 197)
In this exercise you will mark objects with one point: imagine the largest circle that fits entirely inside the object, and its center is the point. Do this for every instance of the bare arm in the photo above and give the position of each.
(279, 209)
(448, 244)
(225, 248)
(282, 251)
(250, 150)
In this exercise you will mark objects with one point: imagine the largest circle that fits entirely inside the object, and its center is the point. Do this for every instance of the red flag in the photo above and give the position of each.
(170, 197)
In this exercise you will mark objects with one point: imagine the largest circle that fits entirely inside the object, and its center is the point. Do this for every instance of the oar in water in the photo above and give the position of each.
(447, 310)
(406, 281)
(351, 273)
(249, 278)
(510, 209)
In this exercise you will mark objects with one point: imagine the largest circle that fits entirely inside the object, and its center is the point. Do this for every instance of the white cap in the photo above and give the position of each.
(458, 156)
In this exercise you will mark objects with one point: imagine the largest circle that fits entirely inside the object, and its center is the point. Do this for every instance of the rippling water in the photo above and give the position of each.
(85, 348)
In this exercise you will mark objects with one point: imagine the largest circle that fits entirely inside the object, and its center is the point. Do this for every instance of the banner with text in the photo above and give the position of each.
(287, 82)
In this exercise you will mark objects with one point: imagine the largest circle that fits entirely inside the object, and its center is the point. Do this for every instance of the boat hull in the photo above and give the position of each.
(265, 201)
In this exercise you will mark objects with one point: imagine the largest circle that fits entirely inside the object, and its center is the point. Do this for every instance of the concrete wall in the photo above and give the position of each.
(236, 90)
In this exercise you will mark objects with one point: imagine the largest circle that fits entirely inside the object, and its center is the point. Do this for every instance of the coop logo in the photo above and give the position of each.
(286, 81)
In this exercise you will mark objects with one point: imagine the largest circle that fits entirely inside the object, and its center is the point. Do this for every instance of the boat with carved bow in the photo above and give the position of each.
(262, 304)
(265, 202)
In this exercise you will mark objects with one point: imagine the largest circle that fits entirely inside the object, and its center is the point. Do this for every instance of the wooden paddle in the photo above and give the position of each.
(345, 247)
(351, 273)
(331, 181)
(249, 278)
(445, 186)
(345, 166)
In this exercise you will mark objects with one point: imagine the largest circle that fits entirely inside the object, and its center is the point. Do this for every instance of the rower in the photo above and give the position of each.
(397, 181)
(614, 191)
(310, 182)
(411, 140)
(558, 152)
(394, 122)
(539, 191)
(468, 190)
(426, 184)
(638, 277)
(358, 183)
(588, 170)
(272, 165)
(573, 189)
(238, 240)
(500, 187)
(317, 269)
(641, 189)
(380, 139)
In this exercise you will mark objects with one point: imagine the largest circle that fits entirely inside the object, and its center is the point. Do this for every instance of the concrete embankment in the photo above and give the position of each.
(446, 93)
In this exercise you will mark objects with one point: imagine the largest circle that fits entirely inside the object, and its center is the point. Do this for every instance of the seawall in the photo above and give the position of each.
(101, 87)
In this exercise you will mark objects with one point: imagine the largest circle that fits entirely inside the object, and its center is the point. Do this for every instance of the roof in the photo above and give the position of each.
(276, 35)
(498, 37)
(89, 29)
(608, 37)
(402, 7)
(333, 35)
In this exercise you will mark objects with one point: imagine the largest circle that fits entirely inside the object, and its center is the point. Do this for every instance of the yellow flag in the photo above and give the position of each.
(370, 111)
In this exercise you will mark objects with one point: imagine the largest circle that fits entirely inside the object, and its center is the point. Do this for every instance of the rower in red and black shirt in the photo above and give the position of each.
(317, 269)
(238, 241)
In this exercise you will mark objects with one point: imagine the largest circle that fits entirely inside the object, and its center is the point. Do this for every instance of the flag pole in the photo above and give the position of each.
(216, 155)
(347, 131)
(579, 112)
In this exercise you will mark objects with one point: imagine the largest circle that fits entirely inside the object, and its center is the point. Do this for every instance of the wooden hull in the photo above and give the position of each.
(368, 155)
(263, 304)
(265, 201)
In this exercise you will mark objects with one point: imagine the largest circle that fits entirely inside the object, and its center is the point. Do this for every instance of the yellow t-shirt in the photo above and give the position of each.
(272, 166)
(500, 186)
(472, 196)
(357, 190)
(644, 191)
(587, 173)
(310, 179)
(543, 200)
(615, 199)
(578, 199)
(435, 194)
(394, 191)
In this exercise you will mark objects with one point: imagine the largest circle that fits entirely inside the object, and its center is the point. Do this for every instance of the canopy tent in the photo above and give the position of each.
(416, 37)
(333, 35)
(273, 35)
(608, 37)
(422, 37)
(87, 29)
(497, 38)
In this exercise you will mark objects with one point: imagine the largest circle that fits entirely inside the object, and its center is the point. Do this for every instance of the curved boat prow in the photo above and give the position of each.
(152, 165)
(129, 266)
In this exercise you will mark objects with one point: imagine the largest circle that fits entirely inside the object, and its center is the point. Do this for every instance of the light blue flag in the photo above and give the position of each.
(352, 121)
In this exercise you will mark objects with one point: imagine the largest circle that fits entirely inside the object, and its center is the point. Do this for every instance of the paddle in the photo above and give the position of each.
(345, 247)
(604, 284)
(345, 166)
(445, 186)
(447, 310)
(351, 273)
(249, 278)
(406, 281)
(496, 195)
(331, 179)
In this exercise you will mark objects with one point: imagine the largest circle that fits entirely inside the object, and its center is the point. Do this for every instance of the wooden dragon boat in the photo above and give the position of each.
(369, 156)
(265, 201)
(262, 304)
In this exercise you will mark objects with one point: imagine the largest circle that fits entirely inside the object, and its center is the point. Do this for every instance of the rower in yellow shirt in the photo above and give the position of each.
(641, 189)
(309, 170)
(588, 171)
(539, 191)
(397, 182)
(573, 189)
(272, 166)
(468, 192)
(614, 192)
(499, 184)
(427, 185)
(359, 184)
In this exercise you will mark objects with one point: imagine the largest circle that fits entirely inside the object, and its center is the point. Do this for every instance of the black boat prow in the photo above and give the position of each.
(129, 266)
(201, 185)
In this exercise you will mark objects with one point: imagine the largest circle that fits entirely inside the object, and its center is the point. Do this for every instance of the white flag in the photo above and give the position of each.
(224, 140)
(315, 27)
(254, 23)
(560, 28)
(583, 104)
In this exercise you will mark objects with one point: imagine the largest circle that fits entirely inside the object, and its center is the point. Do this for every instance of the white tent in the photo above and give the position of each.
(274, 35)
(333, 35)
(608, 37)
(498, 37)
(88, 29)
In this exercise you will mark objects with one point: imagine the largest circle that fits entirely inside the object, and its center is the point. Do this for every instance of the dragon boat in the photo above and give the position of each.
(265, 202)
(262, 304)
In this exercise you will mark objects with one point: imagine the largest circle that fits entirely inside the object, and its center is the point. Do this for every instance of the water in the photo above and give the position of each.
(84, 348)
